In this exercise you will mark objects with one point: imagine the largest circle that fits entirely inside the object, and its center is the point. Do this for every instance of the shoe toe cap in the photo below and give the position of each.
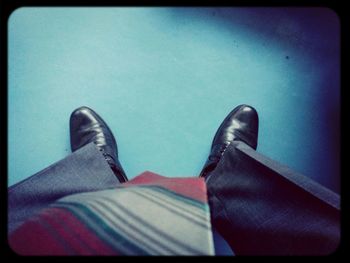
(83, 115)
(249, 116)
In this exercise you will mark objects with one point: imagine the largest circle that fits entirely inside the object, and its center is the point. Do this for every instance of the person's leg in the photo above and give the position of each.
(261, 207)
(74, 174)
(92, 166)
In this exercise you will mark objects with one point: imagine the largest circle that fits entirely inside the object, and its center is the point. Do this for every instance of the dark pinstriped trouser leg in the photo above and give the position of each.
(74, 174)
(263, 208)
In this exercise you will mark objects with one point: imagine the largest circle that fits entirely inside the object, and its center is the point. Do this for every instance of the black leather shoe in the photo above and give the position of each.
(87, 126)
(241, 124)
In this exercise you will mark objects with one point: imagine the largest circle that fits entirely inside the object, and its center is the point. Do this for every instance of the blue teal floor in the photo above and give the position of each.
(165, 78)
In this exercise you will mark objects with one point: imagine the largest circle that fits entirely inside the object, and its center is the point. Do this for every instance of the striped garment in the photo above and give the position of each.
(149, 215)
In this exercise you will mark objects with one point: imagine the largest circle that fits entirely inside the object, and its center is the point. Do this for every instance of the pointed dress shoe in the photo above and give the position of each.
(87, 126)
(241, 124)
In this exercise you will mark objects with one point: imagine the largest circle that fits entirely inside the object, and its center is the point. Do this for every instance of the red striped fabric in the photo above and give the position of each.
(149, 215)
(187, 186)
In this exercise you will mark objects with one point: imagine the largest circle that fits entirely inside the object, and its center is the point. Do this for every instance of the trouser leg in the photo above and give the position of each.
(263, 208)
(82, 171)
